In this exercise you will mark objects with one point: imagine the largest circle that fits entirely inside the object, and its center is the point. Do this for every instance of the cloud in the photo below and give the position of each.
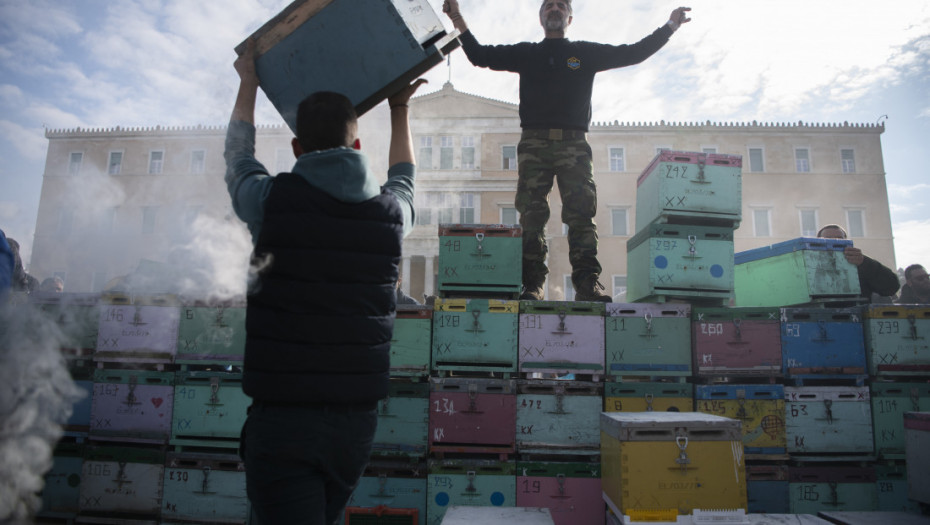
(30, 143)
(910, 242)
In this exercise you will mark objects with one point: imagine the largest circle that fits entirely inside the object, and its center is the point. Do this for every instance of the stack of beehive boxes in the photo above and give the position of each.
(158, 431)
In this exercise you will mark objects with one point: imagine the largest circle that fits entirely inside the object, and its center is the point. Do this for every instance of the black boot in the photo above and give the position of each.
(589, 289)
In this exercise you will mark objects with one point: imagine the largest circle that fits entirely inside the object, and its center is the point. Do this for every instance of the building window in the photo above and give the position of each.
(467, 208)
(664, 147)
(761, 222)
(709, 150)
(283, 160)
(74, 163)
(509, 216)
(115, 164)
(616, 159)
(445, 153)
(619, 220)
(809, 223)
(468, 153)
(619, 291)
(425, 157)
(198, 159)
(849, 160)
(148, 219)
(107, 218)
(569, 288)
(855, 220)
(65, 219)
(156, 162)
(564, 230)
(802, 160)
(755, 160)
(509, 157)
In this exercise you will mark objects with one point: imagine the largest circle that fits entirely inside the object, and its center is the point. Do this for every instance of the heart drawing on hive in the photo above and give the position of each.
(157, 401)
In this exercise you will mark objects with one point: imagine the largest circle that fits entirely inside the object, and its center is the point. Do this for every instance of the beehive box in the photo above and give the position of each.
(680, 261)
(77, 315)
(767, 489)
(461, 515)
(690, 186)
(760, 409)
(205, 487)
(61, 493)
(378, 515)
(561, 337)
(122, 481)
(648, 396)
(822, 341)
(472, 413)
(138, 329)
(889, 403)
(410, 343)
(211, 332)
(78, 424)
(306, 47)
(390, 486)
(643, 339)
(838, 487)
(558, 416)
(898, 340)
(571, 490)
(891, 483)
(672, 461)
(132, 406)
(468, 482)
(828, 420)
(795, 272)
(736, 341)
(477, 259)
(403, 421)
(209, 409)
(917, 451)
(475, 335)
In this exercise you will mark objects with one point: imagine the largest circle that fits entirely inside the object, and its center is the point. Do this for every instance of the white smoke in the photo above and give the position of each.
(36, 397)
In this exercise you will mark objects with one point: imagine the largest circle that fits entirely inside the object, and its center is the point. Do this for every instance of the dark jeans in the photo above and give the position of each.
(303, 463)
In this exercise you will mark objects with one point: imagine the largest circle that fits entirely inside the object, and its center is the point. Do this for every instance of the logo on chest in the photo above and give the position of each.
(573, 63)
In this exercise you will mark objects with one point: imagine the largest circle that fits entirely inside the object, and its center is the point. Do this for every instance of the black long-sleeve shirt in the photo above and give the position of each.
(557, 75)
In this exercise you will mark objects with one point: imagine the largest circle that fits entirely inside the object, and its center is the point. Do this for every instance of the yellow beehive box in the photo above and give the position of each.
(677, 461)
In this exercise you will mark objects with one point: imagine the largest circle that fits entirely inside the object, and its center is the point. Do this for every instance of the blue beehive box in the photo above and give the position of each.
(794, 272)
(364, 49)
(394, 491)
(403, 420)
(822, 341)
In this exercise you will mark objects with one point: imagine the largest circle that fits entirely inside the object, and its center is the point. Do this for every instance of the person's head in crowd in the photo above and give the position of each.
(916, 277)
(52, 284)
(832, 231)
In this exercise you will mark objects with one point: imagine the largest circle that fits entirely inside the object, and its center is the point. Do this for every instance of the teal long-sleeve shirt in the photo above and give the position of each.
(341, 172)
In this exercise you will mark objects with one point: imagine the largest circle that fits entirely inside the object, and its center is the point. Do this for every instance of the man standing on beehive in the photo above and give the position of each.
(556, 80)
(320, 319)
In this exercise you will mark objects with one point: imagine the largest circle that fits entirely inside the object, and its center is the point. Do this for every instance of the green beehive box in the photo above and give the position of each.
(558, 416)
(648, 396)
(468, 482)
(209, 409)
(890, 400)
(794, 272)
(390, 491)
(891, 479)
(475, 335)
(211, 332)
(480, 260)
(77, 315)
(835, 488)
(403, 420)
(205, 488)
(680, 261)
(690, 188)
(897, 340)
(644, 339)
(410, 344)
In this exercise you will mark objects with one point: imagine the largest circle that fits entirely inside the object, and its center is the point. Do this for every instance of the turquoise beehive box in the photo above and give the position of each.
(480, 260)
(690, 187)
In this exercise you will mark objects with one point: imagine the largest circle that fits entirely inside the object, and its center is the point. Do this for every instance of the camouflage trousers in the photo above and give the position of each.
(540, 160)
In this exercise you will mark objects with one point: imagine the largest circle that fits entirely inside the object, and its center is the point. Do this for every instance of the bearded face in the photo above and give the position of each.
(555, 15)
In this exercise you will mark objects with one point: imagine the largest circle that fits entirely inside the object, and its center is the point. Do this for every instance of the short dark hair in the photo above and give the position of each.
(325, 120)
(911, 269)
(829, 226)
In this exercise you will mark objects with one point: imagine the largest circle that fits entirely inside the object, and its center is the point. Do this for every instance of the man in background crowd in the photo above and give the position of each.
(874, 277)
(916, 289)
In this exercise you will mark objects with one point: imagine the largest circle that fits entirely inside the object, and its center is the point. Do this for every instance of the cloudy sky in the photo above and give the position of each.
(106, 63)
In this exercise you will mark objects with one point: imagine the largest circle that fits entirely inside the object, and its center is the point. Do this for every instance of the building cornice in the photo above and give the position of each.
(662, 125)
(153, 131)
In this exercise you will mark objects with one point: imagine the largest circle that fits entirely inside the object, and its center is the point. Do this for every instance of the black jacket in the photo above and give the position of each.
(320, 321)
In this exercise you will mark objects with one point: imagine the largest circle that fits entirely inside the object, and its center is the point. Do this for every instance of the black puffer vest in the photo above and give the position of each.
(320, 321)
